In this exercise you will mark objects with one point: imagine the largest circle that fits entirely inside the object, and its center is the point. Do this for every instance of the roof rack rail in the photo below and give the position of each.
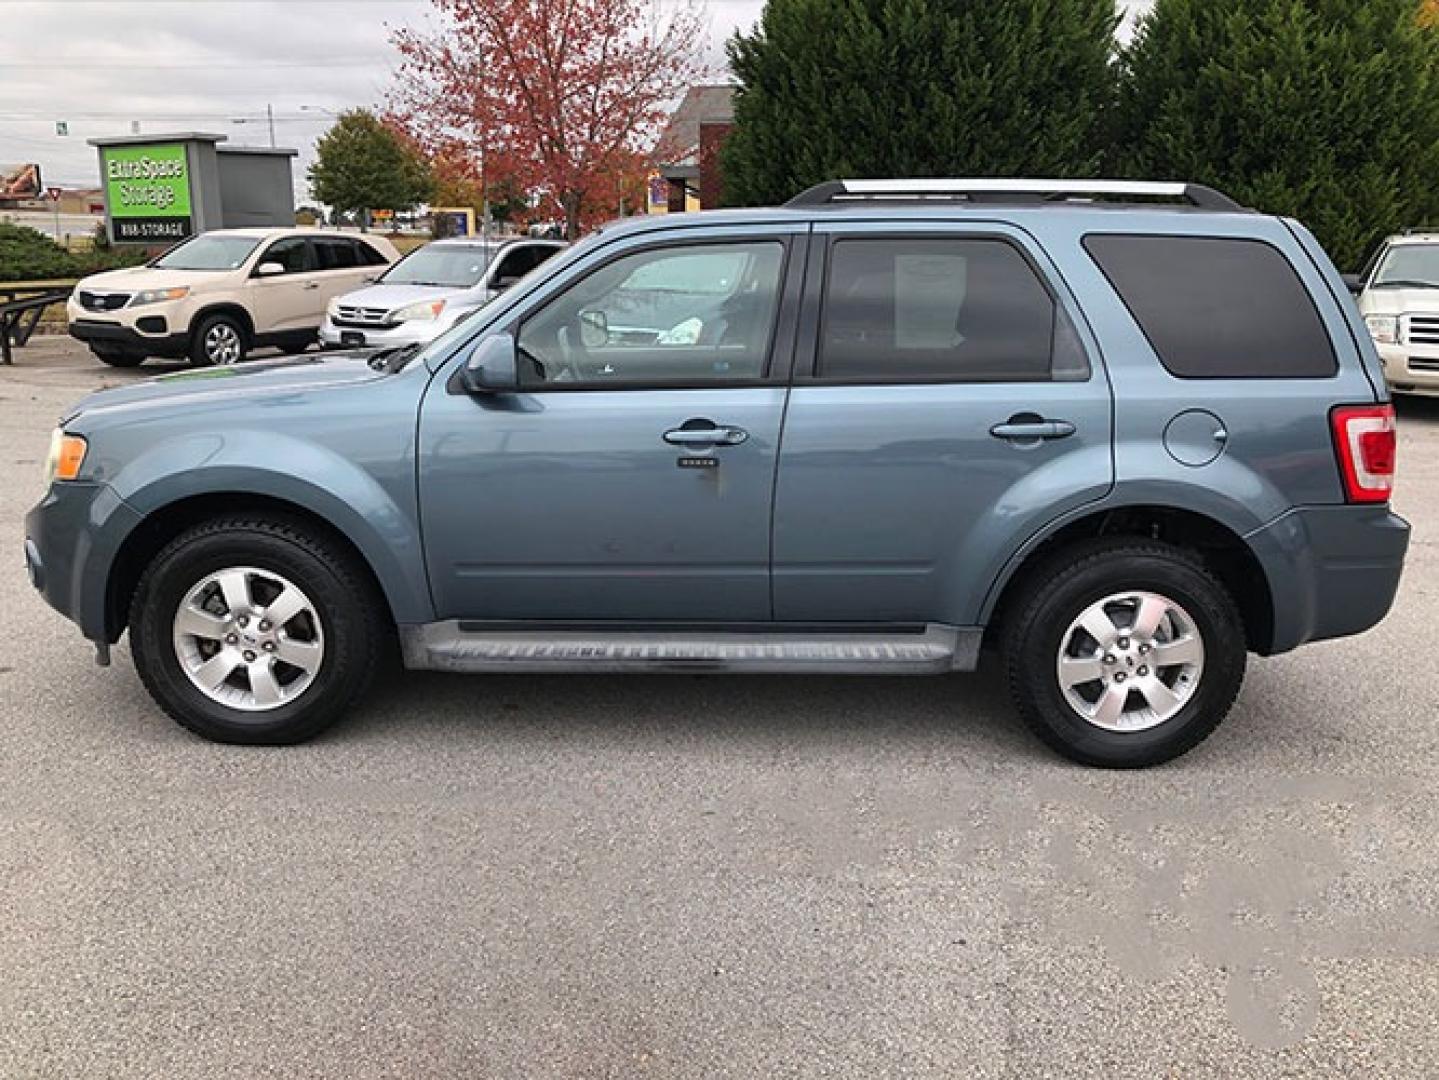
(994, 190)
(1422, 230)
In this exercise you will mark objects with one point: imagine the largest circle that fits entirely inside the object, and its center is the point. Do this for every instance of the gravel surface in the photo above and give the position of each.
(712, 877)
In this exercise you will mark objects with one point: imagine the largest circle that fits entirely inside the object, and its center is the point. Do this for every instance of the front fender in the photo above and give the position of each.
(374, 506)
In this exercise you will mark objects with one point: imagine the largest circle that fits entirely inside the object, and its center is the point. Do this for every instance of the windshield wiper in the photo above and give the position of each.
(394, 358)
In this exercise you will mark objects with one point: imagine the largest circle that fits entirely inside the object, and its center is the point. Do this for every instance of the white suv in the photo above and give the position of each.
(218, 295)
(1399, 297)
(429, 290)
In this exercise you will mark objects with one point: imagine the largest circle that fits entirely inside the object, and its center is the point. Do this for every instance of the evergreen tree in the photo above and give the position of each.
(1326, 110)
(913, 88)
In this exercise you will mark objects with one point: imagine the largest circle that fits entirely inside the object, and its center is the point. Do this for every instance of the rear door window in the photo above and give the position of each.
(941, 310)
(1217, 308)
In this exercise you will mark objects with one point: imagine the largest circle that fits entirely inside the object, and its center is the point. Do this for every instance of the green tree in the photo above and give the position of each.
(1326, 110)
(362, 165)
(856, 88)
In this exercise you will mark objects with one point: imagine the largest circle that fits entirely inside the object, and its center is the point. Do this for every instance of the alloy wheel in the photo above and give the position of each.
(1131, 661)
(249, 639)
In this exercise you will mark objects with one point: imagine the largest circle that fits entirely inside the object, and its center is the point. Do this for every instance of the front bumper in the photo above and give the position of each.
(1333, 571)
(413, 332)
(98, 331)
(1411, 369)
(72, 539)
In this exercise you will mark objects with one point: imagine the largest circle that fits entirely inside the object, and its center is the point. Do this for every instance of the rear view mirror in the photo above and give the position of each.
(492, 368)
(594, 329)
(1354, 283)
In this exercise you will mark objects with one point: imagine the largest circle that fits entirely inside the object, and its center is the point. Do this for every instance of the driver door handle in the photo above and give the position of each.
(711, 434)
(311, 285)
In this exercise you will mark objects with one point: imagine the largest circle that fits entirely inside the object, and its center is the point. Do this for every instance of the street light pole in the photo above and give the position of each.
(270, 114)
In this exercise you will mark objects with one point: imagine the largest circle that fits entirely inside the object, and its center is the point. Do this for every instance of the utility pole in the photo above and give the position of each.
(270, 114)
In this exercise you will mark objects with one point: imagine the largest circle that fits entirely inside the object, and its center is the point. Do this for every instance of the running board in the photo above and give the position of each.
(446, 646)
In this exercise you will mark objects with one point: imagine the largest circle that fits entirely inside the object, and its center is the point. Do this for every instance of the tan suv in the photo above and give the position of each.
(218, 295)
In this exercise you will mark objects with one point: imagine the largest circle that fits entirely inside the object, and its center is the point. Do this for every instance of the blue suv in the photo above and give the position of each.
(1124, 433)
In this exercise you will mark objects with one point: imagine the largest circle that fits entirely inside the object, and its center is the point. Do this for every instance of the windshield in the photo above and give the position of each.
(209, 251)
(456, 266)
(464, 329)
(1409, 266)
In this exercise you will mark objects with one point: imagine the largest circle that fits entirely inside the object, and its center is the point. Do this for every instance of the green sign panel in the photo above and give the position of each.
(147, 190)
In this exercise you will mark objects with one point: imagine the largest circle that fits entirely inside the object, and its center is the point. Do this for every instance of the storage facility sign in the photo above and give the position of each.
(147, 192)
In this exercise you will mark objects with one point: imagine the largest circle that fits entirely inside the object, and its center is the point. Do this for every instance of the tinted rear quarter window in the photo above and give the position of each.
(1216, 308)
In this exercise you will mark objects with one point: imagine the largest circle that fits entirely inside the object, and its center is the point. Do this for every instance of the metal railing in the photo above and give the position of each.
(21, 305)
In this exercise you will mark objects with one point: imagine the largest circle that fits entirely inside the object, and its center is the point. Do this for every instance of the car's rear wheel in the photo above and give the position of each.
(1124, 653)
(117, 356)
(219, 340)
(255, 630)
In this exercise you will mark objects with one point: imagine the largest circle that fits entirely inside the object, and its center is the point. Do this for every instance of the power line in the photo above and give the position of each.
(78, 64)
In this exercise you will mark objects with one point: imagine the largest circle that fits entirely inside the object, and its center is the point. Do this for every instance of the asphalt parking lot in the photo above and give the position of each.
(707, 876)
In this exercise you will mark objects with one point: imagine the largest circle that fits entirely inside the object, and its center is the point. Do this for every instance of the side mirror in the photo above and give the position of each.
(594, 329)
(1354, 283)
(493, 367)
(269, 269)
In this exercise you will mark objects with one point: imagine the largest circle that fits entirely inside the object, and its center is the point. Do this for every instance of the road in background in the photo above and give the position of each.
(712, 877)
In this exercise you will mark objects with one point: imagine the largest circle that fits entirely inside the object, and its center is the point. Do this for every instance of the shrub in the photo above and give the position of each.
(1326, 110)
(913, 88)
(28, 255)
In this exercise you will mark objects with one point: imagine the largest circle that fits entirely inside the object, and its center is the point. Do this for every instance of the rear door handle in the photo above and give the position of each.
(1025, 429)
(710, 435)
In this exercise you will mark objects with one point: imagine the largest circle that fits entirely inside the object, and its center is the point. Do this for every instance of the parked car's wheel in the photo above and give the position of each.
(1124, 653)
(255, 630)
(117, 356)
(219, 340)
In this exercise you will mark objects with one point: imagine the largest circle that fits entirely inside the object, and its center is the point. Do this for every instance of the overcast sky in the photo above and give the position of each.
(182, 65)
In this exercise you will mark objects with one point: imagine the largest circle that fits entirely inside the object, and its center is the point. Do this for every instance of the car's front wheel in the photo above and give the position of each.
(1124, 653)
(218, 341)
(255, 630)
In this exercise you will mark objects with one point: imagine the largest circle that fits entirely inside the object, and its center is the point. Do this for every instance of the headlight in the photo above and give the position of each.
(1383, 328)
(426, 311)
(67, 454)
(158, 296)
(332, 309)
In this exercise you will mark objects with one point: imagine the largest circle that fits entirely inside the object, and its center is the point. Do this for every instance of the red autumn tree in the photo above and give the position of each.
(561, 97)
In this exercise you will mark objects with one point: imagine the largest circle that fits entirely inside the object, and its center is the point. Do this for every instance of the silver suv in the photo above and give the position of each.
(429, 290)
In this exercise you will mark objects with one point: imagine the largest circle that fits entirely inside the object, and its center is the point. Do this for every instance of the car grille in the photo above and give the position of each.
(346, 315)
(1424, 329)
(93, 301)
(1425, 366)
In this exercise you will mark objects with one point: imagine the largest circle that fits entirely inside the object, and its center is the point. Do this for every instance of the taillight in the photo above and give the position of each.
(1366, 441)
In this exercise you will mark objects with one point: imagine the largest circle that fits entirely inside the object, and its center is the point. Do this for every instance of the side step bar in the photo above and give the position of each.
(447, 646)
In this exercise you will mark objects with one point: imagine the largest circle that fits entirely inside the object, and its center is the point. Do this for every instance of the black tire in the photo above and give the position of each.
(1078, 577)
(205, 343)
(340, 589)
(116, 356)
